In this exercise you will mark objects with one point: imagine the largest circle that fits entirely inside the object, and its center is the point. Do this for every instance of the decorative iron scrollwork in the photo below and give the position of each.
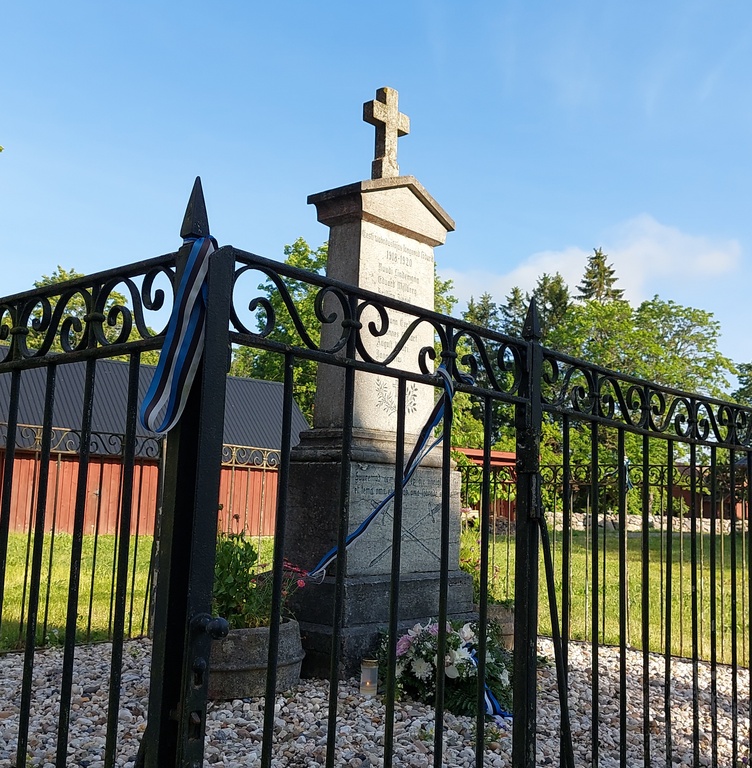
(575, 387)
(68, 441)
(493, 360)
(85, 313)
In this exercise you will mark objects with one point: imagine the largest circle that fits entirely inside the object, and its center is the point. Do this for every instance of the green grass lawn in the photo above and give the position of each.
(95, 610)
(680, 602)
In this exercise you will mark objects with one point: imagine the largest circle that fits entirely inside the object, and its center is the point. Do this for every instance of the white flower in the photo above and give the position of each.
(504, 678)
(416, 630)
(454, 659)
(421, 668)
(467, 635)
(458, 660)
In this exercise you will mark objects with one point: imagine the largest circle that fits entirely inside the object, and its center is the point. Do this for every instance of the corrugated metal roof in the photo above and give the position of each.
(253, 409)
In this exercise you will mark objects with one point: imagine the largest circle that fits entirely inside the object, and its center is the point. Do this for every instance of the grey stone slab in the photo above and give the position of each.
(314, 493)
(367, 602)
(381, 240)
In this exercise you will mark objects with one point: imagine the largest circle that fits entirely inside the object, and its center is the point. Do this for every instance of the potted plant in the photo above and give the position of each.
(243, 596)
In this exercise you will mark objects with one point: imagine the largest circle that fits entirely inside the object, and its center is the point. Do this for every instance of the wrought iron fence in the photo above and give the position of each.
(728, 523)
(247, 499)
(628, 706)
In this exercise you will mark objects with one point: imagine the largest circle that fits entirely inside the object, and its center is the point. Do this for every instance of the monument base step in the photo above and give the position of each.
(366, 615)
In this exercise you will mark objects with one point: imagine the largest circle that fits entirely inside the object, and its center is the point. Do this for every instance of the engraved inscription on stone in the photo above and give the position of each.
(371, 554)
(401, 268)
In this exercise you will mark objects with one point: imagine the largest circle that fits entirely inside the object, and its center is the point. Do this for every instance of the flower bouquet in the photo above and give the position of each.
(417, 662)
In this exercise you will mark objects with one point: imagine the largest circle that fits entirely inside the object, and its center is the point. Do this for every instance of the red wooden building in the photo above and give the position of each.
(252, 433)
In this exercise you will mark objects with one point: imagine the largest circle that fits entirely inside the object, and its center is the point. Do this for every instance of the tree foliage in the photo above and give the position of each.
(743, 394)
(660, 341)
(599, 279)
(552, 299)
(484, 312)
(444, 301)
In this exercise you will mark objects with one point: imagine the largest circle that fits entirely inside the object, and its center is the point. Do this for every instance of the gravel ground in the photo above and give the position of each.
(234, 728)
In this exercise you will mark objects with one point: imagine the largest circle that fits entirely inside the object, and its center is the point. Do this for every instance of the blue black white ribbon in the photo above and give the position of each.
(183, 344)
(423, 446)
(492, 705)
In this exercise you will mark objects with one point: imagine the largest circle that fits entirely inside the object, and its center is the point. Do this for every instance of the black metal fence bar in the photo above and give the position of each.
(119, 593)
(94, 555)
(394, 584)
(446, 464)
(27, 562)
(75, 571)
(52, 549)
(341, 561)
(669, 603)
(646, 621)
(279, 549)
(713, 609)
(31, 628)
(528, 426)
(9, 459)
(566, 567)
(734, 618)
(594, 644)
(623, 601)
(484, 580)
(694, 602)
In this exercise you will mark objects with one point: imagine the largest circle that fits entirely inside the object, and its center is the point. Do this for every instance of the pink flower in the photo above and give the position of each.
(403, 645)
(301, 583)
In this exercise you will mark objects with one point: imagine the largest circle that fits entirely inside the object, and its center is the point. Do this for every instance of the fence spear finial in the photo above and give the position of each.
(531, 330)
(195, 221)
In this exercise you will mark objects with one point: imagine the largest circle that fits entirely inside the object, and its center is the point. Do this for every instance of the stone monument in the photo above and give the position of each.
(382, 235)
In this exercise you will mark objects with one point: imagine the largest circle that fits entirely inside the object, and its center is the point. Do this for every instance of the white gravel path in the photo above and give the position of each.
(234, 728)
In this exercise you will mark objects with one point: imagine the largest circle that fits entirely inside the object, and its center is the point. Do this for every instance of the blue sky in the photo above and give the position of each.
(544, 130)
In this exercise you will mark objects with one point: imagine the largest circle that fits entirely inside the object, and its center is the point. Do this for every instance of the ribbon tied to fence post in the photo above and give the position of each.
(183, 345)
(423, 446)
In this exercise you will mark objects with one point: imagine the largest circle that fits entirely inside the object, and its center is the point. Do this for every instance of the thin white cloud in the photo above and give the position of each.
(569, 263)
(644, 253)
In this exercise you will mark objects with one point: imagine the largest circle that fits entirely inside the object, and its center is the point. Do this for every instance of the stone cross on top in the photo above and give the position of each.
(390, 124)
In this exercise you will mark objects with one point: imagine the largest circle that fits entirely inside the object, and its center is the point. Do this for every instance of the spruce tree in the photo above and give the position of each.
(551, 295)
(483, 312)
(599, 280)
(513, 312)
